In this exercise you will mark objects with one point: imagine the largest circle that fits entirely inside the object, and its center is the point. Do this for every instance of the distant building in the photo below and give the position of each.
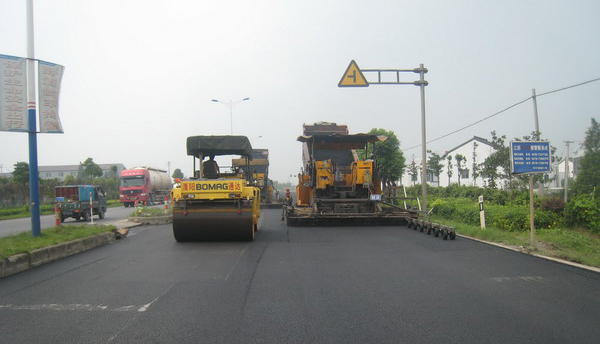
(61, 171)
(573, 167)
(475, 151)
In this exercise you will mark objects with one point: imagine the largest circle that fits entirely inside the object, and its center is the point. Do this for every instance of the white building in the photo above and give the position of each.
(474, 151)
(61, 171)
(558, 169)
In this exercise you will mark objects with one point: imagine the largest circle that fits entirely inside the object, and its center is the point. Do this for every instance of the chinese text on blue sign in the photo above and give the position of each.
(530, 156)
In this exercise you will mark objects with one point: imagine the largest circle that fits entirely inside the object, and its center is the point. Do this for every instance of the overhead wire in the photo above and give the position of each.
(504, 110)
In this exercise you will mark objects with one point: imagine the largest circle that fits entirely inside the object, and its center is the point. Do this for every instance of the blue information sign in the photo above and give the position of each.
(530, 157)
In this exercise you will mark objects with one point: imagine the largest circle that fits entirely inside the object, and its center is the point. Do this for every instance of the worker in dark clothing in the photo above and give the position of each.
(210, 168)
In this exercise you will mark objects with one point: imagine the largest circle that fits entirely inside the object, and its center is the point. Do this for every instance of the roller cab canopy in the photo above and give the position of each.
(341, 141)
(219, 145)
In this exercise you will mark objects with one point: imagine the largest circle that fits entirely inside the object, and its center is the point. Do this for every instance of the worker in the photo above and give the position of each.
(210, 168)
(288, 196)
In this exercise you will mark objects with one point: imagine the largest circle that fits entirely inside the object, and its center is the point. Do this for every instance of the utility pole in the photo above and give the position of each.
(531, 196)
(567, 170)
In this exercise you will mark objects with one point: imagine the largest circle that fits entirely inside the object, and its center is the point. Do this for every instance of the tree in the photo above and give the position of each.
(70, 180)
(47, 188)
(449, 168)
(497, 165)
(460, 159)
(588, 178)
(177, 174)
(21, 178)
(413, 171)
(114, 170)
(475, 167)
(390, 160)
(21, 173)
(434, 165)
(90, 170)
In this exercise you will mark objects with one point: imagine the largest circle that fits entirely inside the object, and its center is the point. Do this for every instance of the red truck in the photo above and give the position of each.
(146, 185)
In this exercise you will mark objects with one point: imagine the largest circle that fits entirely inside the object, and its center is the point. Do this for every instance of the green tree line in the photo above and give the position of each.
(14, 192)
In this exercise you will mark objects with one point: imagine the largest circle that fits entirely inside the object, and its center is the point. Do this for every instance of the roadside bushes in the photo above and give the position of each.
(25, 210)
(510, 218)
(584, 211)
(509, 209)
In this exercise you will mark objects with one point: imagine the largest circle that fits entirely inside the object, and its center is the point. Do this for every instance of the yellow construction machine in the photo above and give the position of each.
(260, 173)
(217, 205)
(338, 186)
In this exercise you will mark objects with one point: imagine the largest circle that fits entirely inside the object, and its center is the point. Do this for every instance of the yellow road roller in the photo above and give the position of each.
(216, 205)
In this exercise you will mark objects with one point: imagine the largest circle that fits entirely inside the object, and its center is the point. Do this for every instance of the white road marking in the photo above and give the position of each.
(518, 278)
(58, 307)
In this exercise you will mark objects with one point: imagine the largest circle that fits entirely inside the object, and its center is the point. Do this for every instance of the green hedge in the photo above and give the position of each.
(510, 218)
(584, 211)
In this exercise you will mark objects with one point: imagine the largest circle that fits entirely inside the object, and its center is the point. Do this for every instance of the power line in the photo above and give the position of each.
(506, 109)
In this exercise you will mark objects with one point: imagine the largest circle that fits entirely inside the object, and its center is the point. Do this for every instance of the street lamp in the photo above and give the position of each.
(231, 104)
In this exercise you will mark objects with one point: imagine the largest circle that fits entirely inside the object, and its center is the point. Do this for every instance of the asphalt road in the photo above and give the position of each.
(15, 226)
(301, 285)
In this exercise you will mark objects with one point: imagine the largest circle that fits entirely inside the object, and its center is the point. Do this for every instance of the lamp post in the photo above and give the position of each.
(231, 104)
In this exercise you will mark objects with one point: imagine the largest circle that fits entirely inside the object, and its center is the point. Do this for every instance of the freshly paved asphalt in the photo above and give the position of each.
(301, 285)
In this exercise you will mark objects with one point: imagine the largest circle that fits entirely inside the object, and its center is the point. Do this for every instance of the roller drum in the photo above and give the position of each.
(210, 224)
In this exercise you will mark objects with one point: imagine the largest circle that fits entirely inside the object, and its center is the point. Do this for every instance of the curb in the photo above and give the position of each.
(152, 220)
(25, 261)
(556, 260)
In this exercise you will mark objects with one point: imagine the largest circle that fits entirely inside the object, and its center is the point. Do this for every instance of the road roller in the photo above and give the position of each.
(216, 204)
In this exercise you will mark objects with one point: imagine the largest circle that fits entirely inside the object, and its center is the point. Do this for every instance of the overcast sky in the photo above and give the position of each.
(140, 74)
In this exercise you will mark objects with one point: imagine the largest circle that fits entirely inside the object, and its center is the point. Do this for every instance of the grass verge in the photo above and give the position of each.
(149, 212)
(24, 242)
(45, 209)
(574, 245)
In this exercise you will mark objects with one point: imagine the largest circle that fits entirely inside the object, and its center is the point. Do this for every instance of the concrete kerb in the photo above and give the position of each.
(556, 260)
(152, 220)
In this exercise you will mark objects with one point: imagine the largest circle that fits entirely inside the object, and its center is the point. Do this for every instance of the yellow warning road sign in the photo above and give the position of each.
(353, 77)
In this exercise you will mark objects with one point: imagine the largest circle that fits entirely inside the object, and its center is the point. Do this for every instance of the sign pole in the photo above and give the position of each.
(354, 77)
(531, 211)
(530, 157)
(422, 71)
(32, 130)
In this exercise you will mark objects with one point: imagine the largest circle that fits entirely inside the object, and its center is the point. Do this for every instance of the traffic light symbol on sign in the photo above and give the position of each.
(353, 77)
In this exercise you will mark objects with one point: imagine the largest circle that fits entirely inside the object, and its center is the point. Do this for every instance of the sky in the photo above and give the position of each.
(140, 74)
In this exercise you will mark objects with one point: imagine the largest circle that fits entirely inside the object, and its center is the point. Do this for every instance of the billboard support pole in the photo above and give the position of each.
(531, 211)
(32, 130)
